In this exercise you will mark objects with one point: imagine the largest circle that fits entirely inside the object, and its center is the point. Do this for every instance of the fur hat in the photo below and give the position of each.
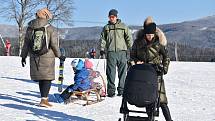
(44, 14)
(113, 12)
(150, 28)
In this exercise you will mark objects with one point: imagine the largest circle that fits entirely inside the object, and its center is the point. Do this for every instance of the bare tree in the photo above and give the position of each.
(22, 11)
(62, 10)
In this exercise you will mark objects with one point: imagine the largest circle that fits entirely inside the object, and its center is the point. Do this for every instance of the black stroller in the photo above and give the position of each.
(141, 90)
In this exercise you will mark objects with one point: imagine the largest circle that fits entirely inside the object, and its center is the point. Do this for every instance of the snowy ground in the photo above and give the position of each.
(190, 90)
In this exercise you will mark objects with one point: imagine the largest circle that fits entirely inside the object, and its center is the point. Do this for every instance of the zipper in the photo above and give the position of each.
(115, 35)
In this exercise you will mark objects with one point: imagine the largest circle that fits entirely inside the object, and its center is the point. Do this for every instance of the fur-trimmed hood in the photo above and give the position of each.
(159, 32)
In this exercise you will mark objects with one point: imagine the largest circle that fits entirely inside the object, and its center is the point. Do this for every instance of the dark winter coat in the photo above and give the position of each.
(153, 52)
(115, 37)
(46, 67)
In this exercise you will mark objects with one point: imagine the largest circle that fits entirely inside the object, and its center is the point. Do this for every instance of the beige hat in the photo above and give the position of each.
(44, 13)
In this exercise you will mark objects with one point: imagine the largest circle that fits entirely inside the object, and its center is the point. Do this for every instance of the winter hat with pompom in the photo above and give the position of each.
(150, 28)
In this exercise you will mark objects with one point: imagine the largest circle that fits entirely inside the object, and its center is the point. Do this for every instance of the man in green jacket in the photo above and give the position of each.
(115, 40)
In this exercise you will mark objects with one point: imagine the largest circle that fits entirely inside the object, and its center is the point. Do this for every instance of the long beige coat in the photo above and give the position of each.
(46, 67)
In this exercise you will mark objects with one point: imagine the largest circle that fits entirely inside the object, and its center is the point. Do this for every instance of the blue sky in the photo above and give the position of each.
(133, 12)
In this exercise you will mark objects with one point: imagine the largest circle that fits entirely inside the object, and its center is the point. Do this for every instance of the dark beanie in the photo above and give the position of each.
(113, 12)
(150, 28)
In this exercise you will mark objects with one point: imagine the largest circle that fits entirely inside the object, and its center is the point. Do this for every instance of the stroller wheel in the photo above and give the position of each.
(125, 117)
(152, 118)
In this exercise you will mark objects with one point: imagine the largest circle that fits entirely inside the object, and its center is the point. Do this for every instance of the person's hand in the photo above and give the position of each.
(23, 62)
(140, 62)
(62, 58)
(165, 70)
(102, 52)
(132, 63)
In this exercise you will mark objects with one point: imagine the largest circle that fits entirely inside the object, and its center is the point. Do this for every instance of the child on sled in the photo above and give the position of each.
(81, 81)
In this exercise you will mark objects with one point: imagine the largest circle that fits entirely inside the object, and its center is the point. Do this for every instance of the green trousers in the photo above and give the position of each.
(162, 91)
(119, 60)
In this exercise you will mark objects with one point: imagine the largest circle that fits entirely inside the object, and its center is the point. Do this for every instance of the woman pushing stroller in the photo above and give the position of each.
(150, 47)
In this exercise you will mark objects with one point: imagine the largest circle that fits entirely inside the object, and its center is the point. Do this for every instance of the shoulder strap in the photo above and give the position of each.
(47, 44)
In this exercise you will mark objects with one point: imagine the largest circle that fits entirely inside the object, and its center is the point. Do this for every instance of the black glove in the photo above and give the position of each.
(62, 58)
(102, 52)
(23, 62)
(165, 70)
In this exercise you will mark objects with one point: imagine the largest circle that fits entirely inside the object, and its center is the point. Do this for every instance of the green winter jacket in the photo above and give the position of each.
(153, 52)
(115, 37)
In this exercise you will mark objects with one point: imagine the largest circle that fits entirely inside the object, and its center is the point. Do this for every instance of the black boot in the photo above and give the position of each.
(166, 112)
(65, 95)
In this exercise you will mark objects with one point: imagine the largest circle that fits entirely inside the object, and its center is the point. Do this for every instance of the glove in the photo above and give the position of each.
(62, 58)
(165, 70)
(23, 62)
(102, 52)
(130, 63)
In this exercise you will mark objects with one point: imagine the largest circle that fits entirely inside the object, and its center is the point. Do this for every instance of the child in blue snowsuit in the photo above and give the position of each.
(81, 80)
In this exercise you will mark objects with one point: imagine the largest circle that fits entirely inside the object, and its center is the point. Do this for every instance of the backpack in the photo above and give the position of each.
(39, 44)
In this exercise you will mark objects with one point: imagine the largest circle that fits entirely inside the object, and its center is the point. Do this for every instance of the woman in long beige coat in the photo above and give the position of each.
(42, 67)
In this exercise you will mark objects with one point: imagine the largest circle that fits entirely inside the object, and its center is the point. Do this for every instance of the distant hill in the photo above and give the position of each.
(8, 31)
(198, 33)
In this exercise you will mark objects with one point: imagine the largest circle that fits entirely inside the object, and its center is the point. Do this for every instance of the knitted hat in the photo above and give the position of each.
(113, 12)
(88, 64)
(150, 28)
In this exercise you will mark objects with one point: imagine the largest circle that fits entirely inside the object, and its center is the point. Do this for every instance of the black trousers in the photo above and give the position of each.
(66, 94)
(44, 86)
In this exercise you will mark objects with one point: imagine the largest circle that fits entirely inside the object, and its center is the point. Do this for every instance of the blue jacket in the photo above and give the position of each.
(81, 79)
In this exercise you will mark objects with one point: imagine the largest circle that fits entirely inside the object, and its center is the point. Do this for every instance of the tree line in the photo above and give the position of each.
(79, 48)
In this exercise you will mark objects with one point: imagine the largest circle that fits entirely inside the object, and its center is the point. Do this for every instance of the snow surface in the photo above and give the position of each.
(203, 28)
(190, 89)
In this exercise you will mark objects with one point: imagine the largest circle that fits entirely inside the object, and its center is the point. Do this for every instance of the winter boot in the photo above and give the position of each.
(44, 103)
(166, 112)
(65, 95)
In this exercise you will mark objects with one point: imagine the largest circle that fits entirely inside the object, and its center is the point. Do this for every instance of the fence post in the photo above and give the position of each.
(176, 51)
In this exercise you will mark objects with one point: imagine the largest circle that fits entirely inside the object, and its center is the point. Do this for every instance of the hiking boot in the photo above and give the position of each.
(119, 94)
(45, 103)
(111, 95)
